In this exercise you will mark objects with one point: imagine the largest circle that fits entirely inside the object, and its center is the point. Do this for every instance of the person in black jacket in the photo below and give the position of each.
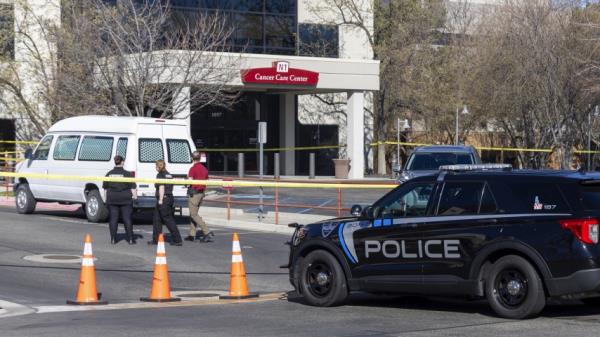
(119, 198)
(163, 212)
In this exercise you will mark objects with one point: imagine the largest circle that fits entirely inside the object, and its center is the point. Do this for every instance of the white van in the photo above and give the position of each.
(86, 145)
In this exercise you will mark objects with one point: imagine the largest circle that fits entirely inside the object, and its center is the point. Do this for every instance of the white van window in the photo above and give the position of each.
(151, 150)
(179, 151)
(122, 147)
(65, 148)
(43, 149)
(94, 148)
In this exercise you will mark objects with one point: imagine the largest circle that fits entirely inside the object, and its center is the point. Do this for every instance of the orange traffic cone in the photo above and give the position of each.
(238, 287)
(87, 293)
(161, 291)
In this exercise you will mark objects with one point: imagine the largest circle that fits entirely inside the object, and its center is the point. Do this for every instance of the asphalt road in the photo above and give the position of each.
(124, 274)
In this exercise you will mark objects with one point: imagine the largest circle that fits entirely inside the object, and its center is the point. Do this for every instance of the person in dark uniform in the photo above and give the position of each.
(163, 212)
(119, 198)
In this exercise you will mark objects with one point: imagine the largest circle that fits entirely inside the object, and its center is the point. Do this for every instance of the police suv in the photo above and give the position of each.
(515, 238)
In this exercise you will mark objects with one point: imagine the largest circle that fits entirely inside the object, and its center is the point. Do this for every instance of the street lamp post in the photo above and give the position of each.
(589, 155)
(463, 112)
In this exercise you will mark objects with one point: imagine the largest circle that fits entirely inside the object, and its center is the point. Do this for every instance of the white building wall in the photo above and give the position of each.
(353, 44)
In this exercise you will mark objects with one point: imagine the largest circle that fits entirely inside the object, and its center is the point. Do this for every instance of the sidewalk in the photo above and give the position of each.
(214, 216)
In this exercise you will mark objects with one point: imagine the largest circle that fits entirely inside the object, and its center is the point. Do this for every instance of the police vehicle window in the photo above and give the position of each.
(591, 197)
(542, 197)
(411, 202)
(43, 149)
(460, 198)
(432, 161)
(94, 148)
(179, 151)
(488, 203)
(65, 148)
(150, 150)
(122, 147)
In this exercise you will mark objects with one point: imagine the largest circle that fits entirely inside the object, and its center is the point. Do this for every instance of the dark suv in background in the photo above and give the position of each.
(427, 160)
(515, 238)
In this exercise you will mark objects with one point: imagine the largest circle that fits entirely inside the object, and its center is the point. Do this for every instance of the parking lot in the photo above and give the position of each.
(35, 292)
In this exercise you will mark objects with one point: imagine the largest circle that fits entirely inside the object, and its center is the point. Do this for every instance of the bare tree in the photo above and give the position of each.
(129, 57)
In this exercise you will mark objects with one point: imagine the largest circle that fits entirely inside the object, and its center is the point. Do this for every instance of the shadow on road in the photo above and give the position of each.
(571, 309)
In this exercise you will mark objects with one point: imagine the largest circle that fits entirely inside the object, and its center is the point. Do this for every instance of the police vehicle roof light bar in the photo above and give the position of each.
(469, 167)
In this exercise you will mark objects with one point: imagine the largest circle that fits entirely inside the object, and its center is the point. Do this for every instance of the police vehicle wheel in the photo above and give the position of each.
(24, 200)
(95, 209)
(514, 288)
(322, 280)
(591, 301)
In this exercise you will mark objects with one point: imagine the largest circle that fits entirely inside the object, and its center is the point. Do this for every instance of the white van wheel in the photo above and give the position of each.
(24, 200)
(95, 209)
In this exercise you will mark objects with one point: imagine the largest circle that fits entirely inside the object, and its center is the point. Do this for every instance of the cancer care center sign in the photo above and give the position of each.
(280, 73)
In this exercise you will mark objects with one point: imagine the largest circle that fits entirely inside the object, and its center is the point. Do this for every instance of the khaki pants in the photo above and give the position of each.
(196, 220)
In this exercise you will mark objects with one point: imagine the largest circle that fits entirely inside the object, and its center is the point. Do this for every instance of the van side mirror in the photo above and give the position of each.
(356, 210)
(28, 153)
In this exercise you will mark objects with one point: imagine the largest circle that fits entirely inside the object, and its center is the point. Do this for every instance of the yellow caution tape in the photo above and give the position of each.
(7, 152)
(237, 183)
(485, 148)
(11, 159)
(18, 142)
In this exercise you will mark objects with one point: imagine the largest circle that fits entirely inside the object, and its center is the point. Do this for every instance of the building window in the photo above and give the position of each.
(7, 31)
(318, 40)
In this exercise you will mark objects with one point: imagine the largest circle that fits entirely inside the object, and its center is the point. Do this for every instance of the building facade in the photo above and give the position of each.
(280, 71)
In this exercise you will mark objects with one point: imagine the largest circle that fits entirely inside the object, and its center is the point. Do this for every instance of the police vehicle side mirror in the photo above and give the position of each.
(28, 153)
(397, 168)
(356, 210)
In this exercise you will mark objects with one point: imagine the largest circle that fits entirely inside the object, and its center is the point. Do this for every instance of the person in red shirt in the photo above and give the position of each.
(195, 196)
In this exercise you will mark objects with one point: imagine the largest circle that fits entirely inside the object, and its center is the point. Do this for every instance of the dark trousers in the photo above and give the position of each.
(163, 214)
(125, 211)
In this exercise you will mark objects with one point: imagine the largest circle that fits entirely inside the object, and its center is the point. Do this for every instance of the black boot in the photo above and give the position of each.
(113, 241)
(190, 238)
(131, 241)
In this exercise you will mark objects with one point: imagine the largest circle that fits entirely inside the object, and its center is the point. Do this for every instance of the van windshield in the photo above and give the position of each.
(433, 160)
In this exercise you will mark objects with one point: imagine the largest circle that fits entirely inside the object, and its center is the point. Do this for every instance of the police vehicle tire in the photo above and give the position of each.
(95, 209)
(514, 289)
(24, 199)
(322, 280)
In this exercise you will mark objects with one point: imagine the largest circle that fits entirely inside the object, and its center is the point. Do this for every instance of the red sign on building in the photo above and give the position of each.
(280, 73)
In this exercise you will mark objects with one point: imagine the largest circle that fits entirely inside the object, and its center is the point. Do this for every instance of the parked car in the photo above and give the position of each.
(515, 238)
(427, 160)
(85, 146)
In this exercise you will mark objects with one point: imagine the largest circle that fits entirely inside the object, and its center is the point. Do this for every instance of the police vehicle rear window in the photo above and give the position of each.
(591, 198)
(542, 197)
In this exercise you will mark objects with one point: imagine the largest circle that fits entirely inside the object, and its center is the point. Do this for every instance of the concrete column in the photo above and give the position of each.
(287, 132)
(182, 107)
(355, 121)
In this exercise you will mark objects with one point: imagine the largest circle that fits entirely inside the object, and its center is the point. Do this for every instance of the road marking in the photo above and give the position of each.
(10, 309)
(147, 305)
(321, 205)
